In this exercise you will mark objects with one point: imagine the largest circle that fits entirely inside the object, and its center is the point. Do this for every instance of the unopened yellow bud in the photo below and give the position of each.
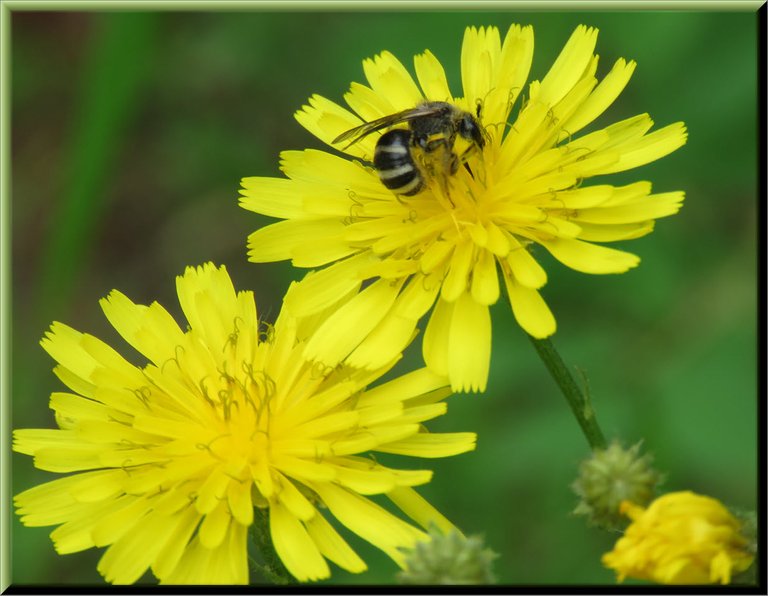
(681, 538)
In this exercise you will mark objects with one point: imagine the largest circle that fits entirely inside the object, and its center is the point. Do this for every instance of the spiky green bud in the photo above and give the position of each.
(610, 476)
(448, 559)
(748, 521)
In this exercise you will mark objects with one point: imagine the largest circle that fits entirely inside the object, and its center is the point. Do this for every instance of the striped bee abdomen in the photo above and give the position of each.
(394, 163)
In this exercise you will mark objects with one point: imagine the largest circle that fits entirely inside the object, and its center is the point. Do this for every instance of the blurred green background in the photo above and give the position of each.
(130, 133)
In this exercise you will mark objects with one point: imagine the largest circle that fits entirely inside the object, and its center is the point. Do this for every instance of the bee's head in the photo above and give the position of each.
(469, 128)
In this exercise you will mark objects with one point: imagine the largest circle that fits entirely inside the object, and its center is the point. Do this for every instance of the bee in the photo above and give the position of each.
(433, 127)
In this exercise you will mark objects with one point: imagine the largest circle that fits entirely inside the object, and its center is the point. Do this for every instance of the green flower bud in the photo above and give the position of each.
(611, 476)
(748, 520)
(448, 559)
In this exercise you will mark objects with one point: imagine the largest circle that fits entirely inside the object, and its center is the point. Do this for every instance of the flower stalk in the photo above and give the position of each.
(268, 566)
(577, 400)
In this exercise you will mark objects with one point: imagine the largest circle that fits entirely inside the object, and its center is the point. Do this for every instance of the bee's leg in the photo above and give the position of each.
(446, 189)
(466, 155)
(432, 145)
(448, 168)
(453, 160)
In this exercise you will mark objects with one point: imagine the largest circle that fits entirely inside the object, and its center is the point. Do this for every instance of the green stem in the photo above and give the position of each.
(265, 560)
(577, 400)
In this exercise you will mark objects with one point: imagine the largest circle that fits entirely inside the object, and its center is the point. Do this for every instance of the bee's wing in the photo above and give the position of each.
(357, 133)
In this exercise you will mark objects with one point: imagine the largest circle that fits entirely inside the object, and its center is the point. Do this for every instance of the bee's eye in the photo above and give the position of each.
(469, 129)
(465, 126)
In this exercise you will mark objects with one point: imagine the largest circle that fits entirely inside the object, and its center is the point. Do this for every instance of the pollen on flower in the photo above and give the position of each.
(485, 198)
(167, 462)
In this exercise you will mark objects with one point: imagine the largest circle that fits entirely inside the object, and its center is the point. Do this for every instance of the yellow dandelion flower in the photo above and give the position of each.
(681, 538)
(167, 462)
(445, 245)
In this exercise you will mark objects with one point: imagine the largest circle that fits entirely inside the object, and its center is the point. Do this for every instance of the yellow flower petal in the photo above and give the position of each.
(296, 504)
(479, 55)
(66, 453)
(525, 268)
(588, 257)
(304, 470)
(212, 490)
(508, 77)
(602, 97)
(457, 280)
(388, 339)
(126, 511)
(321, 289)
(333, 546)
(213, 529)
(369, 105)
(128, 558)
(649, 148)
(224, 565)
(435, 255)
(327, 120)
(497, 241)
(431, 77)
(408, 233)
(296, 549)
(314, 172)
(383, 434)
(369, 521)
(418, 382)
(206, 283)
(345, 329)
(150, 330)
(419, 509)
(469, 345)
(372, 229)
(417, 297)
(485, 279)
(585, 197)
(389, 78)
(389, 268)
(514, 66)
(374, 480)
(68, 405)
(429, 446)
(275, 197)
(568, 67)
(282, 240)
(618, 134)
(435, 345)
(603, 233)
(240, 503)
(177, 539)
(651, 207)
(530, 310)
